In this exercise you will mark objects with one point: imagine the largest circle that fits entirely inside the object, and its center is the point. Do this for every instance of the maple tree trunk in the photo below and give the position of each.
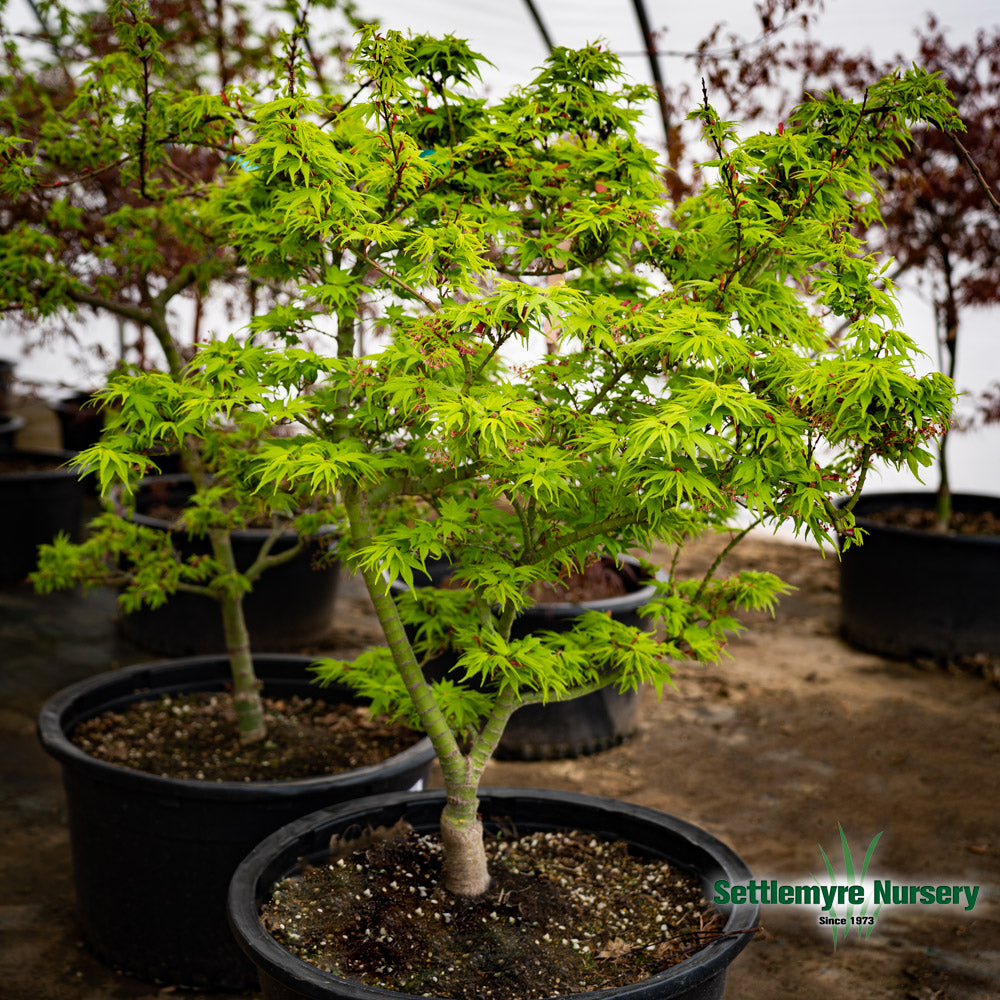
(246, 689)
(465, 870)
(943, 499)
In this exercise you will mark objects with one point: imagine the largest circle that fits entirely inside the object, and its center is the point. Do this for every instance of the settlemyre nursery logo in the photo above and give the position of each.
(851, 901)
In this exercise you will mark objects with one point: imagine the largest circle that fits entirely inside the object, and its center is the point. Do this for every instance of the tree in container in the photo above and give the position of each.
(693, 383)
(111, 133)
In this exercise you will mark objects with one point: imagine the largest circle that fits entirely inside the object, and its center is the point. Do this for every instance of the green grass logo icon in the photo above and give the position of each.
(854, 918)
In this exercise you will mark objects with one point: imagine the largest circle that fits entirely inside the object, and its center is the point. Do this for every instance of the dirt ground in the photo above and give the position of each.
(769, 750)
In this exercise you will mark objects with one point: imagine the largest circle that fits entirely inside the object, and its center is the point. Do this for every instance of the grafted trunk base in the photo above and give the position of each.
(465, 869)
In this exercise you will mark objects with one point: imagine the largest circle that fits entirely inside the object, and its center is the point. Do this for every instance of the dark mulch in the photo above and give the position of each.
(598, 580)
(984, 523)
(566, 913)
(195, 736)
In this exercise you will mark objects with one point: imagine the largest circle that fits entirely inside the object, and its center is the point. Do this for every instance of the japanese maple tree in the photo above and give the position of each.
(693, 381)
(114, 121)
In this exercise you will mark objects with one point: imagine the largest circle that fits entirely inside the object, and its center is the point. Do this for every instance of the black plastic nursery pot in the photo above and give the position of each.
(152, 856)
(290, 607)
(908, 593)
(284, 976)
(585, 725)
(39, 498)
(6, 381)
(80, 420)
(10, 425)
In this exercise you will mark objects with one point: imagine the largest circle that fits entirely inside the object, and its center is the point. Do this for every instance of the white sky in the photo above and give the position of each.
(505, 33)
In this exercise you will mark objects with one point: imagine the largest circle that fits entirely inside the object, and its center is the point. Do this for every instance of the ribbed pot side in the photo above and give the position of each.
(908, 593)
(152, 856)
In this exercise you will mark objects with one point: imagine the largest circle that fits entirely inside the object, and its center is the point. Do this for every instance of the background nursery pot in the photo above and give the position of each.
(152, 856)
(39, 498)
(651, 833)
(584, 725)
(80, 420)
(10, 425)
(289, 607)
(910, 592)
(6, 382)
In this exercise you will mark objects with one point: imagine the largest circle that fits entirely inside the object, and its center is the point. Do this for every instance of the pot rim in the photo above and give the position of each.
(251, 534)
(81, 701)
(624, 602)
(11, 421)
(34, 475)
(920, 498)
(258, 872)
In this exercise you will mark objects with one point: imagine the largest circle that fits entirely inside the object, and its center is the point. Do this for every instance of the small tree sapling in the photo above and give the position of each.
(142, 561)
(693, 380)
(108, 140)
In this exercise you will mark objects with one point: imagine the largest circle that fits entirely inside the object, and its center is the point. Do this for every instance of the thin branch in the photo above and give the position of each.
(579, 691)
(526, 532)
(433, 306)
(193, 588)
(346, 104)
(299, 31)
(53, 44)
(835, 515)
(185, 176)
(571, 538)
(710, 572)
(551, 272)
(471, 376)
(409, 486)
(488, 738)
(183, 279)
(135, 313)
(144, 130)
(976, 172)
(266, 560)
(86, 175)
(606, 388)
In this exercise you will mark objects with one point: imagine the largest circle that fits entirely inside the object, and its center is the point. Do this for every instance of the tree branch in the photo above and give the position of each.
(413, 486)
(265, 560)
(433, 306)
(135, 313)
(591, 531)
(710, 572)
(193, 588)
(432, 719)
(976, 172)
